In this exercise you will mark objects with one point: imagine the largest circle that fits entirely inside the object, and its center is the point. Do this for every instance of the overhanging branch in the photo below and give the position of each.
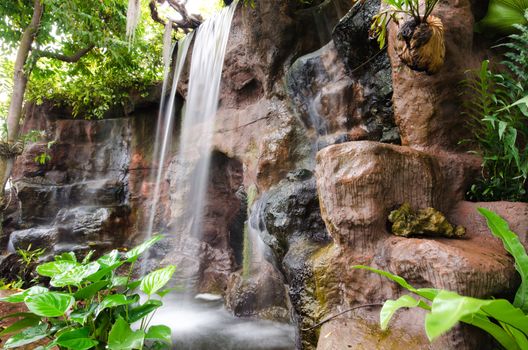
(188, 21)
(65, 58)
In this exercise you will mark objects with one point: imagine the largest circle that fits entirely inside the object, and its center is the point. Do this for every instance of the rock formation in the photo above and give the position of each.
(334, 135)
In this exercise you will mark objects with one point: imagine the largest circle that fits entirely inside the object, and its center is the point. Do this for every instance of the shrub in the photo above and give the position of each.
(499, 124)
(506, 322)
(91, 306)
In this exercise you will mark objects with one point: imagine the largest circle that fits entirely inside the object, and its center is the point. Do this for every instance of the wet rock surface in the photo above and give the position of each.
(288, 92)
(78, 199)
(290, 215)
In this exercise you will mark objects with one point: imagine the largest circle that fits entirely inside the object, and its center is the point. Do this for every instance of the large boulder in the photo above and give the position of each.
(359, 183)
(428, 108)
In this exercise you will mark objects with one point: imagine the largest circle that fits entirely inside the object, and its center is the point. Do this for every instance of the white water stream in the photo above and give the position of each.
(201, 324)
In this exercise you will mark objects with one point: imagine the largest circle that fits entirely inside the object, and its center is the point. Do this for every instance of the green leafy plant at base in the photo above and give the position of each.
(506, 322)
(91, 306)
(496, 111)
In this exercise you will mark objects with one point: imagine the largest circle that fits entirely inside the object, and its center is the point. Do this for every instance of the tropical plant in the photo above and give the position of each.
(421, 36)
(497, 111)
(397, 8)
(503, 16)
(506, 322)
(91, 306)
(27, 259)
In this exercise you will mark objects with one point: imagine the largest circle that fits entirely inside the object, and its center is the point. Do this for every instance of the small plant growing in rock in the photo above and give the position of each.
(91, 306)
(420, 44)
(506, 322)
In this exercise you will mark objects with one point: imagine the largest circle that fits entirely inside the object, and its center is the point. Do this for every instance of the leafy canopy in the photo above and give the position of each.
(103, 77)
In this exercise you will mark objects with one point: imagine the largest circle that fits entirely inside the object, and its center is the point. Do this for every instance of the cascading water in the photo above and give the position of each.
(165, 126)
(203, 323)
(199, 117)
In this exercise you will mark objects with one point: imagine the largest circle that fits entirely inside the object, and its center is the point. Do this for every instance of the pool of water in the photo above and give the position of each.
(205, 324)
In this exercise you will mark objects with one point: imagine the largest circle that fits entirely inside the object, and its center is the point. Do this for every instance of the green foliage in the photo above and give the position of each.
(497, 115)
(503, 16)
(6, 84)
(507, 323)
(396, 9)
(500, 229)
(104, 77)
(87, 309)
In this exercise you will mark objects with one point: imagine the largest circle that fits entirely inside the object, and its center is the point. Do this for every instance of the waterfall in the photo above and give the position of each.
(198, 122)
(165, 125)
(194, 151)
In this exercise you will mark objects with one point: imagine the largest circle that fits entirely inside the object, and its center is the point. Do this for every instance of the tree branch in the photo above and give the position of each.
(188, 21)
(65, 58)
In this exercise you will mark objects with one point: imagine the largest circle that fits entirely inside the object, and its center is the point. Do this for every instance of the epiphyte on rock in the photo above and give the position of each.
(425, 222)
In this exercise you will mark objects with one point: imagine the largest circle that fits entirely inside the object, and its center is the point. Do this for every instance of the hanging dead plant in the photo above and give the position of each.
(420, 40)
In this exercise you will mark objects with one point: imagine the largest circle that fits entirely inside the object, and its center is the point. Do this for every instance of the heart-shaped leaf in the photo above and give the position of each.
(121, 337)
(54, 268)
(141, 311)
(50, 304)
(162, 333)
(115, 300)
(77, 339)
(27, 336)
(19, 297)
(75, 276)
(134, 253)
(156, 280)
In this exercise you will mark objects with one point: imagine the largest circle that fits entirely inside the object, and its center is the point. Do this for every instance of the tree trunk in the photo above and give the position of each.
(20, 80)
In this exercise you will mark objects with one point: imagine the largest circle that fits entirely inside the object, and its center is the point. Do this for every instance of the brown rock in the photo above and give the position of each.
(261, 294)
(515, 213)
(359, 183)
(359, 330)
(428, 108)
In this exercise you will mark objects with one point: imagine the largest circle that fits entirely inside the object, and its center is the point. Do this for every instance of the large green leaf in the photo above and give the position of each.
(448, 308)
(109, 259)
(77, 339)
(156, 280)
(134, 253)
(427, 293)
(503, 15)
(137, 313)
(115, 300)
(81, 315)
(66, 256)
(90, 290)
(499, 227)
(19, 297)
(75, 276)
(27, 336)
(21, 324)
(54, 268)
(107, 271)
(50, 304)
(391, 306)
(162, 333)
(121, 337)
(504, 338)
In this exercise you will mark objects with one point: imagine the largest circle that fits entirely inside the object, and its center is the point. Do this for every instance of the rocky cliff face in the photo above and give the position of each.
(333, 134)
